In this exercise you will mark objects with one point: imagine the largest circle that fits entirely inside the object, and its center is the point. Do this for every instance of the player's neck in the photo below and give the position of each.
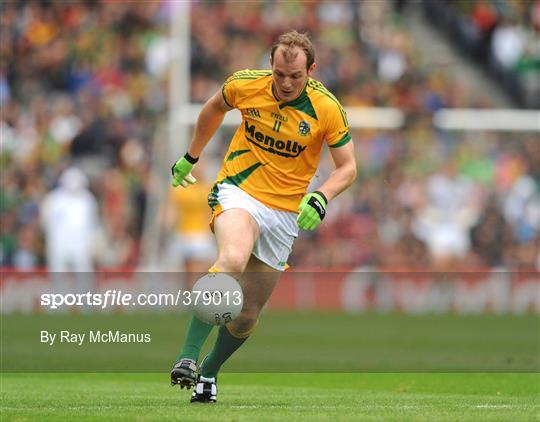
(279, 100)
(275, 94)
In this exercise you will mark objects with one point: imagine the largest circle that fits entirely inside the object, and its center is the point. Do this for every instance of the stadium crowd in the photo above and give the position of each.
(502, 36)
(81, 84)
(85, 84)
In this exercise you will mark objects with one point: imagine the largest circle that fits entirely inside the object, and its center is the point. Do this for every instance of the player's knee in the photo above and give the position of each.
(232, 261)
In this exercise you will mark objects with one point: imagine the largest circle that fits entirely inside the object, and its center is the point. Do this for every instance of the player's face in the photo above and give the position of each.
(290, 76)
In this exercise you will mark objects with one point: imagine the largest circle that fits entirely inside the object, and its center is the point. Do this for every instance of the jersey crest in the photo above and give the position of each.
(304, 128)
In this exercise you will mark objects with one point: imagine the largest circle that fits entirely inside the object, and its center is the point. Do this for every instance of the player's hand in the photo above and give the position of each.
(181, 171)
(312, 210)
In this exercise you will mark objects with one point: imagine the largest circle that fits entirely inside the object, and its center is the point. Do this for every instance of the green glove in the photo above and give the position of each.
(181, 171)
(312, 210)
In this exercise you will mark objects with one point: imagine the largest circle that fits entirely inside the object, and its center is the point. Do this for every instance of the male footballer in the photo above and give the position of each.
(259, 200)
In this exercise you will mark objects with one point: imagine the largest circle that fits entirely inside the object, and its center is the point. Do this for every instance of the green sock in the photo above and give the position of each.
(226, 345)
(197, 334)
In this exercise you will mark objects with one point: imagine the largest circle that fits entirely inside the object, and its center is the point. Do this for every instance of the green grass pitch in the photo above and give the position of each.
(279, 397)
(303, 366)
(303, 342)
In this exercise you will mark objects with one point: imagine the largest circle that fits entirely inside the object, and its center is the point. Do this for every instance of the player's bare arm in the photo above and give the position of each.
(312, 208)
(344, 174)
(208, 122)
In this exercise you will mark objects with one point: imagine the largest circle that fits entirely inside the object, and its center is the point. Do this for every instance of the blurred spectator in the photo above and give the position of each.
(65, 125)
(484, 17)
(392, 60)
(400, 248)
(70, 221)
(508, 43)
(490, 236)
(25, 256)
(502, 34)
(86, 84)
(79, 81)
(522, 208)
(449, 213)
(116, 247)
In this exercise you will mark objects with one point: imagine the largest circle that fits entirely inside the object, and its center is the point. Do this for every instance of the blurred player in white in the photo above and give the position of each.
(70, 220)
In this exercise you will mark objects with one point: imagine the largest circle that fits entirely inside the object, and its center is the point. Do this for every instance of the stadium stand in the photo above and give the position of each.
(502, 36)
(85, 84)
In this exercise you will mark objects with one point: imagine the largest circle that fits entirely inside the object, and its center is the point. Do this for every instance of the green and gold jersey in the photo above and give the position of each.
(275, 152)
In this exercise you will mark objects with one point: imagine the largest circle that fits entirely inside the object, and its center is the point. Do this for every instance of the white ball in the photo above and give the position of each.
(217, 298)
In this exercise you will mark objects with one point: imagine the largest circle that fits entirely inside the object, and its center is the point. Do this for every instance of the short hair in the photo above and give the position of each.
(292, 39)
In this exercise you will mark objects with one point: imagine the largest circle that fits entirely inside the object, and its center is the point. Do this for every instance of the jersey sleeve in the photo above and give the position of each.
(232, 88)
(337, 131)
(229, 91)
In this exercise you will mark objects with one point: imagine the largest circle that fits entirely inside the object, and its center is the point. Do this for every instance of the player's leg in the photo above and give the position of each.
(258, 283)
(277, 231)
(235, 231)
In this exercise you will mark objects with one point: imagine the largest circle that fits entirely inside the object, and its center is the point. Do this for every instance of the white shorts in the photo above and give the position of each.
(449, 240)
(277, 229)
(196, 246)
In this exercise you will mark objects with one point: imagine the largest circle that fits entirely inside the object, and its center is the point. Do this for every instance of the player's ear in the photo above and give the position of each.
(312, 69)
